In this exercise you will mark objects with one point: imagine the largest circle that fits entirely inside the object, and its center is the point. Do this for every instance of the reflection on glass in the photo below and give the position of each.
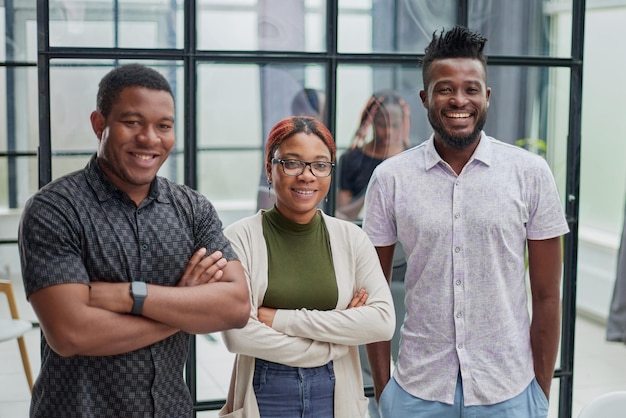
(295, 25)
(512, 27)
(522, 27)
(382, 132)
(357, 83)
(391, 26)
(119, 24)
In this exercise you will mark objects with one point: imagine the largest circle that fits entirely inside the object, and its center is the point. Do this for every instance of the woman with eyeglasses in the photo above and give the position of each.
(316, 286)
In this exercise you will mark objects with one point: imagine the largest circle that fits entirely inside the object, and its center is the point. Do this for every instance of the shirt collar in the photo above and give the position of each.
(104, 189)
(482, 153)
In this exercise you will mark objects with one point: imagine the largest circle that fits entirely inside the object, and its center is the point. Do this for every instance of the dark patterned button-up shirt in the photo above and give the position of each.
(80, 228)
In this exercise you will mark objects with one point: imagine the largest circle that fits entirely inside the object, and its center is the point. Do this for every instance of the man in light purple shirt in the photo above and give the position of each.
(466, 207)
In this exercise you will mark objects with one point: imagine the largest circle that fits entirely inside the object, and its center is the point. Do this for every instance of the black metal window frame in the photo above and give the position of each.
(189, 55)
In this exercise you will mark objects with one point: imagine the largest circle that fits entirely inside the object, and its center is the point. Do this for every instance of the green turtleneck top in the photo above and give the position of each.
(300, 264)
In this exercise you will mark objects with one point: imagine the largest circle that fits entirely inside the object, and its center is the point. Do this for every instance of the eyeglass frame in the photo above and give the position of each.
(282, 161)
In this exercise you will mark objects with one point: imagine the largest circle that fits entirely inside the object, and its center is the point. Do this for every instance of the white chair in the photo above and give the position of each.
(608, 405)
(15, 328)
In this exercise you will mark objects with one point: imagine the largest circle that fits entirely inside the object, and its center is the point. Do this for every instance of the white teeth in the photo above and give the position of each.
(304, 191)
(458, 115)
(143, 157)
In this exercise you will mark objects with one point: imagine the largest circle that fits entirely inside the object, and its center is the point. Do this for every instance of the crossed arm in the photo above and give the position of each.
(211, 295)
(260, 340)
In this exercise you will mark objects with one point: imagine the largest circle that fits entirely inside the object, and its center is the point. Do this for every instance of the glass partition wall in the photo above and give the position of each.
(239, 66)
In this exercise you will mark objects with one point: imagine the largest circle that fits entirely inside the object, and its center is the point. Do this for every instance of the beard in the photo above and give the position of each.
(458, 142)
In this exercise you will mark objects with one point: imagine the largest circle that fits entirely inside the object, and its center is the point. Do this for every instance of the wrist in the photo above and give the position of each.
(138, 293)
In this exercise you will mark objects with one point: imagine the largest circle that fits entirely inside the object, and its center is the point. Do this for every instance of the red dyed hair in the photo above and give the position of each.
(292, 125)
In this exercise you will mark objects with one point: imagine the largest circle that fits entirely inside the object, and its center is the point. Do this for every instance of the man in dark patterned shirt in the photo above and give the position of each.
(121, 266)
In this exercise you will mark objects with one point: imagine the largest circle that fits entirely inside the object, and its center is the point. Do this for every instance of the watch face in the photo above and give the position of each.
(139, 289)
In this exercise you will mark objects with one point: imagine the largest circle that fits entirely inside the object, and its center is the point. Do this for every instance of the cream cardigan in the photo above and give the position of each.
(310, 338)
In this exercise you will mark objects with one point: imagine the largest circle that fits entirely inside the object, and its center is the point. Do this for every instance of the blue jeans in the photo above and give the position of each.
(396, 402)
(294, 392)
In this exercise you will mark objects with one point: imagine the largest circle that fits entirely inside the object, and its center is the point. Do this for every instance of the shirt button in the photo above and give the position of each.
(457, 249)
(458, 315)
(458, 282)
(144, 247)
(460, 346)
(457, 215)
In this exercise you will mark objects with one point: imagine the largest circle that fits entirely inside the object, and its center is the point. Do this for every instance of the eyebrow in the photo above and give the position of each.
(448, 81)
(129, 114)
(299, 157)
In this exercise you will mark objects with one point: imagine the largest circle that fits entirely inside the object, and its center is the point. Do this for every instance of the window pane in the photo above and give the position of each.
(123, 23)
(534, 114)
(214, 366)
(532, 27)
(538, 27)
(391, 26)
(295, 25)
(237, 106)
(603, 147)
(18, 36)
(18, 134)
(73, 90)
(357, 83)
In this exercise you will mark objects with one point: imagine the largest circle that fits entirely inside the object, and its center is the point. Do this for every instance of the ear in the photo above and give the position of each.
(97, 123)
(424, 98)
(268, 172)
(488, 92)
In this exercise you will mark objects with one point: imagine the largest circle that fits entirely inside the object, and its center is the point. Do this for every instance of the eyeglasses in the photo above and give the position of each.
(296, 167)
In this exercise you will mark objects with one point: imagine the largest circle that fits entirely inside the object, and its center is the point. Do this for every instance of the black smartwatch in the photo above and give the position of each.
(138, 291)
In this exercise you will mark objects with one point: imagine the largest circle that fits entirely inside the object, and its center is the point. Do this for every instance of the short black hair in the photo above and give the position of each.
(458, 42)
(130, 75)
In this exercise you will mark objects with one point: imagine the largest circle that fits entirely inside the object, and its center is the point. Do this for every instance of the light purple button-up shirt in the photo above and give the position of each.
(465, 239)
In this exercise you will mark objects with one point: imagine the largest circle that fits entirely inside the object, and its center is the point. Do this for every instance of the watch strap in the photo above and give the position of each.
(138, 291)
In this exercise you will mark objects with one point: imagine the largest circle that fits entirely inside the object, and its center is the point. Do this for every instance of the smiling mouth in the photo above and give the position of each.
(144, 157)
(304, 192)
(458, 115)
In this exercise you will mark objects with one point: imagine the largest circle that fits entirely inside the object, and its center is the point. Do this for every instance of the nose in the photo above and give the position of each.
(148, 134)
(459, 99)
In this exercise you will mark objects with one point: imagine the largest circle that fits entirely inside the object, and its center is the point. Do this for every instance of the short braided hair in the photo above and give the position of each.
(458, 42)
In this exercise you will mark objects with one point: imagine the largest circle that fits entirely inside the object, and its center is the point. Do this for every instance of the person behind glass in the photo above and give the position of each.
(120, 266)
(389, 116)
(467, 210)
(317, 291)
